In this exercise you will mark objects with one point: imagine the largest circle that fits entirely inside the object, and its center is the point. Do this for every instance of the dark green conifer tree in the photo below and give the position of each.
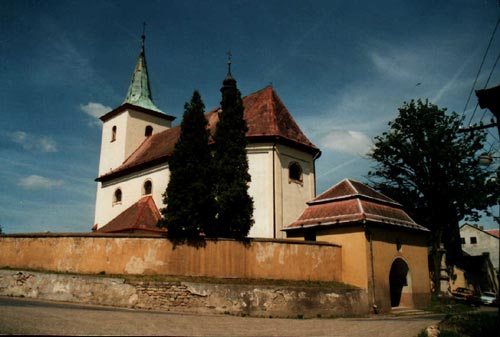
(189, 197)
(235, 206)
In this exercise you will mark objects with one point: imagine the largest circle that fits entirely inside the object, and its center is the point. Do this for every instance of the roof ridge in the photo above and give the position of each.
(143, 207)
(273, 107)
(140, 146)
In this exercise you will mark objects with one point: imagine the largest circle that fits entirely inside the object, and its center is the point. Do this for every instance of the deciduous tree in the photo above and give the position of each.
(427, 165)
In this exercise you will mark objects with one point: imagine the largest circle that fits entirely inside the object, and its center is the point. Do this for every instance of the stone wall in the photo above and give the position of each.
(121, 254)
(187, 297)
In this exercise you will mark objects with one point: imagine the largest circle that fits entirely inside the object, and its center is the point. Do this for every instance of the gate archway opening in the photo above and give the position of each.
(400, 284)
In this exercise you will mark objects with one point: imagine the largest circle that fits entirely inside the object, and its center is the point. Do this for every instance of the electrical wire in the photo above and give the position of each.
(479, 71)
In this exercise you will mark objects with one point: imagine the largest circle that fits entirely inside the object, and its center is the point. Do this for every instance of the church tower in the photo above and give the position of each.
(137, 118)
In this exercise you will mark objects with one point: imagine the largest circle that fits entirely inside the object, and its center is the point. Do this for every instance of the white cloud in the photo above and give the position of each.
(394, 66)
(95, 110)
(35, 182)
(347, 141)
(47, 144)
(32, 142)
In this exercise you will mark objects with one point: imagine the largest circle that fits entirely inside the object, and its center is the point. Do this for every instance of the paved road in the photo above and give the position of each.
(33, 317)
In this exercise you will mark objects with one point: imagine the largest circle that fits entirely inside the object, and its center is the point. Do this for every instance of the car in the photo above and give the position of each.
(462, 293)
(466, 295)
(489, 298)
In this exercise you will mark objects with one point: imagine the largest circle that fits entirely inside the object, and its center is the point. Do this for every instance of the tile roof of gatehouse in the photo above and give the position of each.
(351, 202)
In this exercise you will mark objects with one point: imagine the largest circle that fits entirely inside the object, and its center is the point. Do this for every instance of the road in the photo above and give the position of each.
(34, 317)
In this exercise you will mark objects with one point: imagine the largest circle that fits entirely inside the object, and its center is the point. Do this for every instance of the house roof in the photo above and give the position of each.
(494, 232)
(351, 202)
(267, 119)
(143, 215)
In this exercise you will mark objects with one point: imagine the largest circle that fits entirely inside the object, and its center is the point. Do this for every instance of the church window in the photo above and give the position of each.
(147, 188)
(117, 197)
(295, 173)
(148, 131)
(113, 133)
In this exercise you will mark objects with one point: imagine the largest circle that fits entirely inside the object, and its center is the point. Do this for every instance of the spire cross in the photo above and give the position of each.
(229, 62)
(143, 33)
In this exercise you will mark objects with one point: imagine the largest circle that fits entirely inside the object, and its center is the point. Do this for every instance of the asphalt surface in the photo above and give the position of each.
(21, 316)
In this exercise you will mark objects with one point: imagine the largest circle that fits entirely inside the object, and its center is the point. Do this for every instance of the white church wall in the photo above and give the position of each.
(113, 146)
(136, 126)
(274, 208)
(132, 190)
(260, 167)
(130, 133)
(293, 195)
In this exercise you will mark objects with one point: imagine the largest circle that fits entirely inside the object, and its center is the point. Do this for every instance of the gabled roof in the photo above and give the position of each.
(351, 202)
(493, 232)
(267, 119)
(141, 216)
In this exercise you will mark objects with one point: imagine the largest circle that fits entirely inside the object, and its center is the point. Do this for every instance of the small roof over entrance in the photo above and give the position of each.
(351, 202)
(140, 217)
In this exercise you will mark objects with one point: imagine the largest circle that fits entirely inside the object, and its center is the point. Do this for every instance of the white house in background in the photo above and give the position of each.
(138, 139)
(477, 241)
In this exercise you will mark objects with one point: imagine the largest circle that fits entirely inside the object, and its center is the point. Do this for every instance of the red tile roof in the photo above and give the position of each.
(141, 216)
(494, 232)
(351, 202)
(267, 118)
(349, 188)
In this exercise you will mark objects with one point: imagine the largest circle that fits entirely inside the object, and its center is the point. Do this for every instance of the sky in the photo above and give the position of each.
(342, 68)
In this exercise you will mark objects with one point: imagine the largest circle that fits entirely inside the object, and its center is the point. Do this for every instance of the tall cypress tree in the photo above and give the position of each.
(189, 196)
(235, 206)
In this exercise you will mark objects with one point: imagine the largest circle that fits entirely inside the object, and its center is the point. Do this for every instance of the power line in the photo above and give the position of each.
(480, 67)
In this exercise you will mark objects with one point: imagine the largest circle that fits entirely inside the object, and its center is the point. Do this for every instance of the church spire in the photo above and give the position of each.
(229, 81)
(139, 92)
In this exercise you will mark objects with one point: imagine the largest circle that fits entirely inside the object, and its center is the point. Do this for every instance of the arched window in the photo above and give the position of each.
(117, 197)
(113, 133)
(147, 188)
(295, 172)
(148, 131)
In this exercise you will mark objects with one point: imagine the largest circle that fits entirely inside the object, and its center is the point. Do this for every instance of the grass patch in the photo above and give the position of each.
(235, 281)
(448, 306)
(209, 280)
(470, 325)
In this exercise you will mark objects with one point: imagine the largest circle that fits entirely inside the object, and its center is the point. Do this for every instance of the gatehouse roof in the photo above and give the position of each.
(267, 118)
(351, 202)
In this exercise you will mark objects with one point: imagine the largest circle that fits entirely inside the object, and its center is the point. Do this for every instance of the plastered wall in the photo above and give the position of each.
(93, 254)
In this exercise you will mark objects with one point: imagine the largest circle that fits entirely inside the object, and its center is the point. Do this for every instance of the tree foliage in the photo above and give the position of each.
(235, 206)
(425, 164)
(190, 196)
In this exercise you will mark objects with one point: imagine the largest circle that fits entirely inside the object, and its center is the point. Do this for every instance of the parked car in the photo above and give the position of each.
(460, 293)
(489, 298)
(467, 296)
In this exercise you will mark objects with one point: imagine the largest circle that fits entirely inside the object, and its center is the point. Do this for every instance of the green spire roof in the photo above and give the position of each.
(139, 92)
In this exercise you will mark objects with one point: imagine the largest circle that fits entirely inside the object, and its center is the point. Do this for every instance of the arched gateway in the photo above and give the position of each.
(400, 284)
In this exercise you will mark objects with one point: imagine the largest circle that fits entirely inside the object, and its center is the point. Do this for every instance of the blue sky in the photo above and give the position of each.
(342, 68)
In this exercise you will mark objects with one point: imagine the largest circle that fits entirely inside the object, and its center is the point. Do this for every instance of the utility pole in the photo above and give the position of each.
(490, 99)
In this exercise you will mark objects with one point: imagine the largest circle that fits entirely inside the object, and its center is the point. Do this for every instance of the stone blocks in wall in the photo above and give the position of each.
(186, 297)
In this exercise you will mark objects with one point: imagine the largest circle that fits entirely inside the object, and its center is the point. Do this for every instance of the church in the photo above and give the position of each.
(138, 139)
